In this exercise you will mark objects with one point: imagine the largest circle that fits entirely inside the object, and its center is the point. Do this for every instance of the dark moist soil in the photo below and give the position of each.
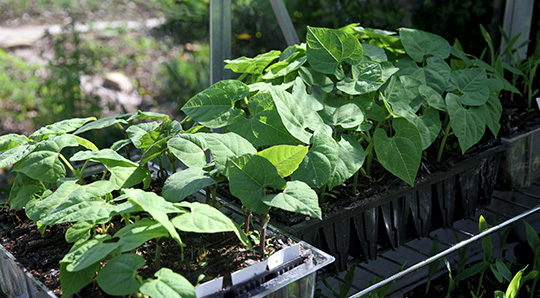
(40, 254)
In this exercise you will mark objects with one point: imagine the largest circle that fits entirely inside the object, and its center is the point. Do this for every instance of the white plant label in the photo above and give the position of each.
(538, 102)
(209, 287)
(283, 256)
(248, 273)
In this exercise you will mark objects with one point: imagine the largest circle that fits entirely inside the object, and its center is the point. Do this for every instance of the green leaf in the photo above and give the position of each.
(286, 158)
(85, 143)
(12, 140)
(370, 108)
(185, 183)
(432, 97)
(156, 206)
(402, 153)
(285, 67)
(137, 233)
(44, 163)
(215, 102)
(342, 112)
(320, 161)
(312, 99)
(367, 77)
(62, 127)
(103, 123)
(225, 145)
(297, 116)
(351, 158)
(119, 275)
(429, 125)
(72, 202)
(124, 172)
(513, 288)
(436, 74)
(473, 83)
(499, 294)
(92, 254)
(503, 270)
(402, 99)
(137, 132)
(296, 197)
(168, 285)
(189, 149)
(374, 53)
(328, 48)
(467, 124)
(140, 115)
(487, 246)
(492, 112)
(203, 218)
(264, 126)
(79, 231)
(254, 65)
(72, 282)
(248, 176)
(532, 236)
(315, 78)
(419, 44)
(20, 196)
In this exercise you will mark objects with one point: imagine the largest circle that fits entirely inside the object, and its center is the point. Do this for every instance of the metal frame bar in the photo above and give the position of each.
(285, 22)
(444, 253)
(220, 39)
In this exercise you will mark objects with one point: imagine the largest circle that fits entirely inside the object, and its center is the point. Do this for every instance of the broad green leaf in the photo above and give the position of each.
(248, 176)
(80, 248)
(12, 140)
(313, 99)
(19, 196)
(44, 163)
(93, 254)
(286, 158)
(119, 275)
(532, 236)
(400, 154)
(468, 124)
(155, 150)
(186, 182)
(85, 143)
(137, 132)
(124, 172)
(351, 158)
(79, 231)
(513, 288)
(140, 115)
(116, 146)
(433, 98)
(429, 125)
(203, 218)
(471, 271)
(168, 285)
(473, 83)
(189, 149)
(72, 202)
(103, 123)
(285, 67)
(503, 270)
(370, 108)
(401, 98)
(62, 127)
(72, 282)
(297, 116)
(137, 233)
(436, 74)
(254, 65)
(342, 112)
(419, 44)
(156, 206)
(296, 197)
(264, 126)
(216, 101)
(492, 112)
(374, 52)
(367, 77)
(320, 161)
(225, 145)
(315, 78)
(328, 48)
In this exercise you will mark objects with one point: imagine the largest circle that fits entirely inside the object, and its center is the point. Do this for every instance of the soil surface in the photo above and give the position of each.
(40, 254)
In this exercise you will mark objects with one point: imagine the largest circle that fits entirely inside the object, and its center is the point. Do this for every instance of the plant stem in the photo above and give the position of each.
(262, 240)
(479, 287)
(533, 288)
(157, 257)
(247, 219)
(445, 136)
(355, 182)
(68, 165)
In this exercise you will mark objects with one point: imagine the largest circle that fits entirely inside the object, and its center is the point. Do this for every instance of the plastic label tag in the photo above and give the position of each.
(283, 256)
(247, 273)
(538, 102)
(209, 287)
